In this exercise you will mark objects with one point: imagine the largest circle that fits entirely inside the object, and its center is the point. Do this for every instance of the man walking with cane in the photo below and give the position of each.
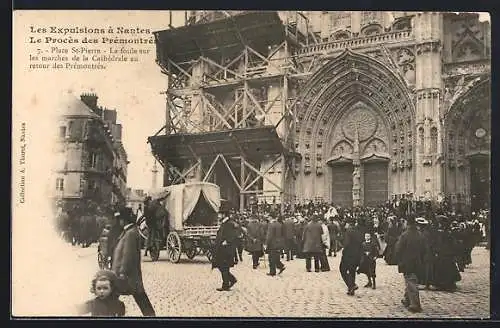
(127, 263)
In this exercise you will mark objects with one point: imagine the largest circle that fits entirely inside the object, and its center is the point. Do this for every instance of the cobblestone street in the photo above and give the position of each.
(188, 289)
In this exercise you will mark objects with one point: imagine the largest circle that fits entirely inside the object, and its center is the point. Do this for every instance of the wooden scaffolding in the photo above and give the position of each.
(231, 100)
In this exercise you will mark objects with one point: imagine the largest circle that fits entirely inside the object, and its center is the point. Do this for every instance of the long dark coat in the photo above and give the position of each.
(368, 258)
(263, 227)
(446, 272)
(255, 237)
(275, 237)
(410, 251)
(312, 238)
(425, 273)
(334, 230)
(162, 221)
(127, 259)
(289, 227)
(391, 238)
(225, 245)
(353, 246)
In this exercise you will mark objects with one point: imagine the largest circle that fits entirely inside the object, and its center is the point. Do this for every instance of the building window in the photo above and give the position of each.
(93, 159)
(340, 20)
(434, 140)
(62, 132)
(70, 128)
(421, 137)
(60, 184)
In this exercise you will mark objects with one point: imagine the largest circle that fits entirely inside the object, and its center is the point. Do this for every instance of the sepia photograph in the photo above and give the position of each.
(251, 164)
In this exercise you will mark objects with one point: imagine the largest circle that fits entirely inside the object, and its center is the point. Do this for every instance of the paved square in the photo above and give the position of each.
(188, 289)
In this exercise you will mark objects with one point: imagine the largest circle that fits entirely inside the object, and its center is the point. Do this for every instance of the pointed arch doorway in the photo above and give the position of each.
(353, 92)
(467, 178)
(342, 183)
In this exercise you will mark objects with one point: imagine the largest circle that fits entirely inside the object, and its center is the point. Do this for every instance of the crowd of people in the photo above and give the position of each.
(430, 245)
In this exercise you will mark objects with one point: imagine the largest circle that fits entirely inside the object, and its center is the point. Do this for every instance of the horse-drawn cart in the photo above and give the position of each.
(192, 213)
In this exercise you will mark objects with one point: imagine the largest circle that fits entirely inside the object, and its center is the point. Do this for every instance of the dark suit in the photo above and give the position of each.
(255, 241)
(334, 231)
(410, 253)
(275, 241)
(351, 256)
(127, 264)
(223, 255)
(313, 244)
(290, 243)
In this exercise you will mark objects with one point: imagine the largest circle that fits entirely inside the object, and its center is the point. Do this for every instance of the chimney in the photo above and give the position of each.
(110, 115)
(89, 99)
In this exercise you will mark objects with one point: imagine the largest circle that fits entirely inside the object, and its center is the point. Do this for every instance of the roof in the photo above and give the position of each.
(253, 142)
(190, 42)
(70, 105)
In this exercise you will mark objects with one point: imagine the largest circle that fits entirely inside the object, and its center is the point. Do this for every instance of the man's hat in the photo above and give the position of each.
(421, 221)
(441, 217)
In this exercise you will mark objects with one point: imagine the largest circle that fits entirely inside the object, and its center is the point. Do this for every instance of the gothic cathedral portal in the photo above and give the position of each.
(358, 119)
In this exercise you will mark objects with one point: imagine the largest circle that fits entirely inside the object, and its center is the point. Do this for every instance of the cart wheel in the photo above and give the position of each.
(174, 247)
(191, 252)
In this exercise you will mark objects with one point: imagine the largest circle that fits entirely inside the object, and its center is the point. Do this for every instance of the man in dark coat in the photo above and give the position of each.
(127, 263)
(290, 242)
(224, 250)
(161, 220)
(255, 241)
(410, 252)
(313, 244)
(424, 276)
(391, 237)
(334, 230)
(149, 214)
(275, 243)
(446, 272)
(299, 233)
(351, 257)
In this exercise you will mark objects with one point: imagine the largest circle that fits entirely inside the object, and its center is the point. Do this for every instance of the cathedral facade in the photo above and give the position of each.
(398, 104)
(376, 105)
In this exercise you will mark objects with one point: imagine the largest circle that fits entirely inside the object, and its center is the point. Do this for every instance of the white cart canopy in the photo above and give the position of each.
(181, 200)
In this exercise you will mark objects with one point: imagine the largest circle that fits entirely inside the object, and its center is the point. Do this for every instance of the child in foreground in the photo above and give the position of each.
(106, 303)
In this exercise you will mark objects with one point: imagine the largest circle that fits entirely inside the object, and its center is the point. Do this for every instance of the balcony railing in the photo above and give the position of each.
(357, 42)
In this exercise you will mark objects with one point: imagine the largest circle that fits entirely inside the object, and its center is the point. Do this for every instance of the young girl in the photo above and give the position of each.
(368, 260)
(106, 303)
